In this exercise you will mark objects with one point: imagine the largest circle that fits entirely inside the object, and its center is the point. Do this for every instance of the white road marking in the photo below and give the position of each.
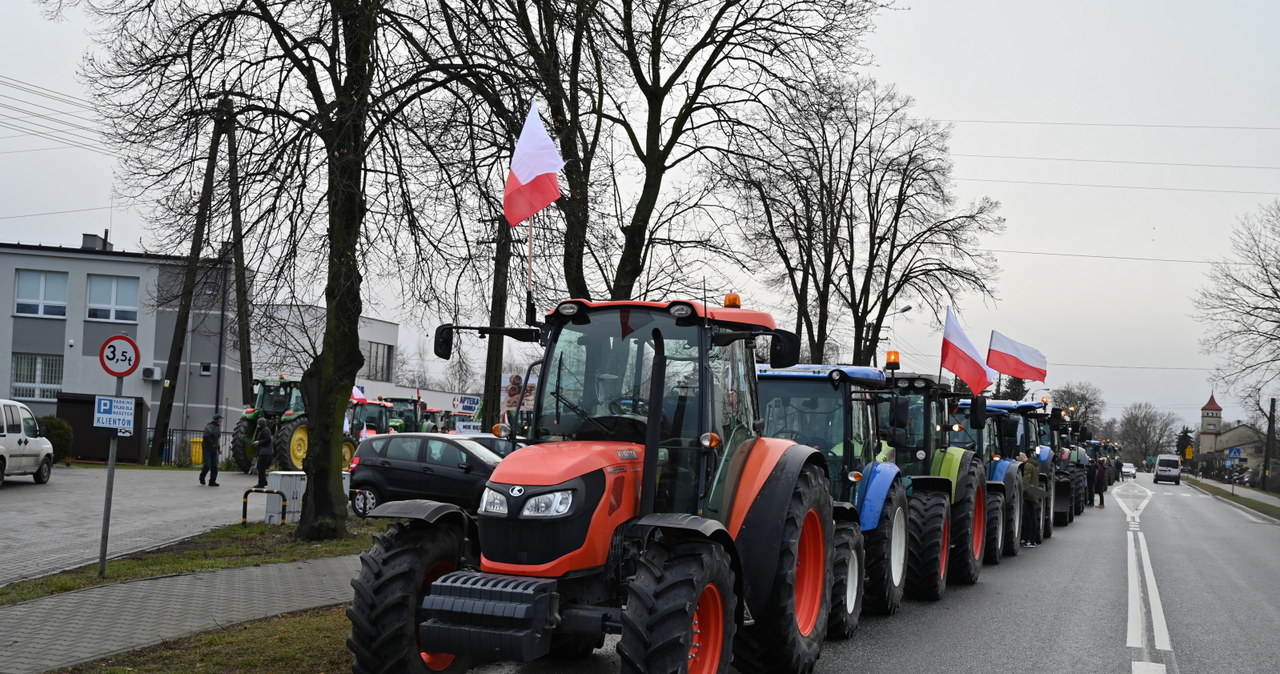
(1148, 668)
(1158, 626)
(1135, 635)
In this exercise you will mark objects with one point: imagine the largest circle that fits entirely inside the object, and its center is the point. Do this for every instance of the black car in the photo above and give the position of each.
(436, 466)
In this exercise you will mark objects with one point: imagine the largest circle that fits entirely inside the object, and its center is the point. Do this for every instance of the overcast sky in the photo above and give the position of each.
(1102, 127)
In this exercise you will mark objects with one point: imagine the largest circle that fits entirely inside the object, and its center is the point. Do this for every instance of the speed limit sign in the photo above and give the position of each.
(119, 356)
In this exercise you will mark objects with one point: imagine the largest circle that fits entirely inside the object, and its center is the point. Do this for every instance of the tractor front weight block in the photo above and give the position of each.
(490, 616)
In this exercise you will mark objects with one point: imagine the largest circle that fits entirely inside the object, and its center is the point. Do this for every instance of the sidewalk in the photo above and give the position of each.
(75, 627)
(1244, 492)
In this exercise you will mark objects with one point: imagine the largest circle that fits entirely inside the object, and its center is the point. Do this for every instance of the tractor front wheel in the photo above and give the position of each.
(680, 610)
(929, 545)
(395, 574)
(847, 581)
(349, 444)
(886, 558)
(291, 443)
(788, 632)
(994, 548)
(968, 525)
(242, 449)
(1013, 517)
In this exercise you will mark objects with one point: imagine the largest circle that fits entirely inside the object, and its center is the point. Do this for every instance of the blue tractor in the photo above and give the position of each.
(832, 408)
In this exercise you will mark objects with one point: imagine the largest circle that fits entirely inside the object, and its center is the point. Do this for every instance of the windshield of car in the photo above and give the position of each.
(1167, 463)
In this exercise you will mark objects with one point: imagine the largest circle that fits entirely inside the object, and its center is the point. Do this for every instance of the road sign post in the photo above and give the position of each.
(119, 358)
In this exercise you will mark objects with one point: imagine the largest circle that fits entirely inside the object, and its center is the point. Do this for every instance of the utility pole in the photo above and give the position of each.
(1271, 443)
(497, 319)
(237, 246)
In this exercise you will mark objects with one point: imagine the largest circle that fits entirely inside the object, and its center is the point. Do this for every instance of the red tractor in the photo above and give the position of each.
(646, 505)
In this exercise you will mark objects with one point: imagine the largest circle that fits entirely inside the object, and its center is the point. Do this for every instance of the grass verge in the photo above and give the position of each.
(224, 548)
(1256, 506)
(308, 641)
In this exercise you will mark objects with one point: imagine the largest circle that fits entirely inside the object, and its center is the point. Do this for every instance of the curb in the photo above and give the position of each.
(1255, 513)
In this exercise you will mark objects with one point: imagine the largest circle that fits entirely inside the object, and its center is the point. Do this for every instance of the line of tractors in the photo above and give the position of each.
(279, 401)
(707, 510)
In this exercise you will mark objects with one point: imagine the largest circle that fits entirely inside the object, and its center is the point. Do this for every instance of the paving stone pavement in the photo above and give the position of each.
(74, 627)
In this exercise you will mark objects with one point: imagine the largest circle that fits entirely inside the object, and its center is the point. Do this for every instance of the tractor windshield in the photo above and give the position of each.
(275, 399)
(406, 410)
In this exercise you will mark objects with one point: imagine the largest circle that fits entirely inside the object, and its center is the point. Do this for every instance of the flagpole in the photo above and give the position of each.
(531, 317)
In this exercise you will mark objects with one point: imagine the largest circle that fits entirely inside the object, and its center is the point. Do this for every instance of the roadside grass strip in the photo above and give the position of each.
(1243, 501)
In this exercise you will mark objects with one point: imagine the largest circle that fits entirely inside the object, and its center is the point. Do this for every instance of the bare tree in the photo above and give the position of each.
(1147, 431)
(1082, 401)
(1241, 306)
(853, 195)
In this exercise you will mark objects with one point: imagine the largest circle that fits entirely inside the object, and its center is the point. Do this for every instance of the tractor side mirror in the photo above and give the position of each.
(1009, 427)
(899, 412)
(897, 437)
(784, 349)
(444, 341)
(978, 413)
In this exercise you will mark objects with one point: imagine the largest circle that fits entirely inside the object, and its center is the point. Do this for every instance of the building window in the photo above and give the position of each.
(206, 369)
(113, 298)
(40, 293)
(36, 377)
(377, 362)
(1213, 426)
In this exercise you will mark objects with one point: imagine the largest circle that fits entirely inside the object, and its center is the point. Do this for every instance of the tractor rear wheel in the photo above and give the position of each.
(349, 444)
(847, 581)
(1046, 510)
(680, 610)
(242, 449)
(395, 574)
(886, 555)
(1013, 506)
(968, 525)
(788, 632)
(994, 548)
(929, 544)
(290, 444)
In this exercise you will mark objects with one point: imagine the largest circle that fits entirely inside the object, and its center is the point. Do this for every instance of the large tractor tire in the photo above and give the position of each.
(847, 581)
(886, 556)
(395, 574)
(1013, 506)
(680, 609)
(968, 525)
(349, 444)
(1082, 494)
(994, 548)
(1046, 510)
(788, 632)
(290, 444)
(929, 544)
(242, 449)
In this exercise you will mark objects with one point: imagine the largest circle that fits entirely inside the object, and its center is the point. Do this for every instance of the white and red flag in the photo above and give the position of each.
(961, 357)
(1016, 359)
(357, 396)
(532, 184)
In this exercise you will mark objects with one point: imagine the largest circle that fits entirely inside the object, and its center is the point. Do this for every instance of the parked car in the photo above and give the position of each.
(495, 444)
(1129, 471)
(23, 448)
(438, 466)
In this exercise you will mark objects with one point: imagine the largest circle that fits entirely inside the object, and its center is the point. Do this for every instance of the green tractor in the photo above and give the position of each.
(279, 401)
(407, 414)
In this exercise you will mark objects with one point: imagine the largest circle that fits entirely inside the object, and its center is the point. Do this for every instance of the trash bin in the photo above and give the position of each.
(197, 451)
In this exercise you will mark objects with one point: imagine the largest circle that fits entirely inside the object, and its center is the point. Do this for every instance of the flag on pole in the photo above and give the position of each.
(961, 357)
(1016, 359)
(532, 184)
(357, 396)
(417, 388)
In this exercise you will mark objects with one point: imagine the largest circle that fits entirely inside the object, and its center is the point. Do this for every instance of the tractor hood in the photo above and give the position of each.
(551, 463)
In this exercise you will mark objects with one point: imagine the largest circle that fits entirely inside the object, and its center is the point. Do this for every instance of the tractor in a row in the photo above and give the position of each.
(279, 401)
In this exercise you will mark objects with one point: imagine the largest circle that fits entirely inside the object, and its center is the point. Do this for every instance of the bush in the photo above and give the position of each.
(60, 435)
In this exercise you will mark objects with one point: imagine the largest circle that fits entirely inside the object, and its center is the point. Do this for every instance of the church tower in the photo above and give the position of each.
(1210, 426)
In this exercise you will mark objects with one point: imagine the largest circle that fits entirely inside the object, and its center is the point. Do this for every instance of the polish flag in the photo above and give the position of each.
(1016, 359)
(961, 357)
(357, 396)
(532, 184)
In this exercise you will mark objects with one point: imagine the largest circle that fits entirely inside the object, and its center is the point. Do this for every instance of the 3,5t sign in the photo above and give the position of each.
(119, 356)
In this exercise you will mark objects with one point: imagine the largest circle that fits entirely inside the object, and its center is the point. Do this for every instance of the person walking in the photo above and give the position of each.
(263, 442)
(212, 435)
(1100, 480)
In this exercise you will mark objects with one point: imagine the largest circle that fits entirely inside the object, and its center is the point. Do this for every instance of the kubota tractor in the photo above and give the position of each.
(646, 505)
(946, 491)
(832, 408)
(279, 401)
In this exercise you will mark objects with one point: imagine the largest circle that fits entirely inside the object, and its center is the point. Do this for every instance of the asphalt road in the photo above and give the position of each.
(1164, 579)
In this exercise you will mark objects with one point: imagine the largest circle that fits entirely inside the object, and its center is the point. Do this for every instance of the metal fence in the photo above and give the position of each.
(177, 445)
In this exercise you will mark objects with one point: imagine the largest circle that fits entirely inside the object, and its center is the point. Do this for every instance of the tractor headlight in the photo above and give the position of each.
(493, 503)
(553, 504)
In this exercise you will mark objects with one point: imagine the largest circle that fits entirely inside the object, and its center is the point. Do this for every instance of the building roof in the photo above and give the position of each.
(1211, 406)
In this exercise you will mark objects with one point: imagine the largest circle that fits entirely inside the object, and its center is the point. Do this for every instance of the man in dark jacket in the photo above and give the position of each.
(1030, 496)
(1100, 480)
(212, 435)
(263, 442)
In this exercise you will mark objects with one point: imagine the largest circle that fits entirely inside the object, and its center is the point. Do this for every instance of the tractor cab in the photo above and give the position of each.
(406, 414)
(276, 397)
(928, 421)
(370, 418)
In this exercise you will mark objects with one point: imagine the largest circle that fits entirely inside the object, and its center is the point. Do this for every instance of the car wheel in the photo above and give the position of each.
(363, 501)
(46, 469)
(2, 469)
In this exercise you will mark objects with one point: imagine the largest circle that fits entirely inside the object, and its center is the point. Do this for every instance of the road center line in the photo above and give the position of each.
(1135, 635)
(1148, 668)
(1158, 626)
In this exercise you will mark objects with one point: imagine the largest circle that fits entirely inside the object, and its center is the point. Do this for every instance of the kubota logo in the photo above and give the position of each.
(517, 491)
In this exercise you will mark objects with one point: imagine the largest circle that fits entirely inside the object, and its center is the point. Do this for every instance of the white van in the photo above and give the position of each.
(1168, 467)
(23, 448)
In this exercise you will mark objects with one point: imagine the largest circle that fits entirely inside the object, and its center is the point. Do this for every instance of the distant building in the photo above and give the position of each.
(1210, 427)
(1216, 438)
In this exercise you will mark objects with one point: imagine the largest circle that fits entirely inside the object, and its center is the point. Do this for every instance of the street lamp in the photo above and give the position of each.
(1031, 395)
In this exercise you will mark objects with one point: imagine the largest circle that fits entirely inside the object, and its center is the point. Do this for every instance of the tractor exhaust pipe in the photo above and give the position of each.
(653, 425)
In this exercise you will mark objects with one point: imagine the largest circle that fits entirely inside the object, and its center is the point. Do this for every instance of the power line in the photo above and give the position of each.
(1110, 257)
(1118, 161)
(1112, 124)
(1116, 367)
(1117, 187)
(36, 215)
(31, 88)
(40, 149)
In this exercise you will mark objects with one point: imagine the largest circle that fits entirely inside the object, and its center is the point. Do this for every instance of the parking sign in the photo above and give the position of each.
(111, 412)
